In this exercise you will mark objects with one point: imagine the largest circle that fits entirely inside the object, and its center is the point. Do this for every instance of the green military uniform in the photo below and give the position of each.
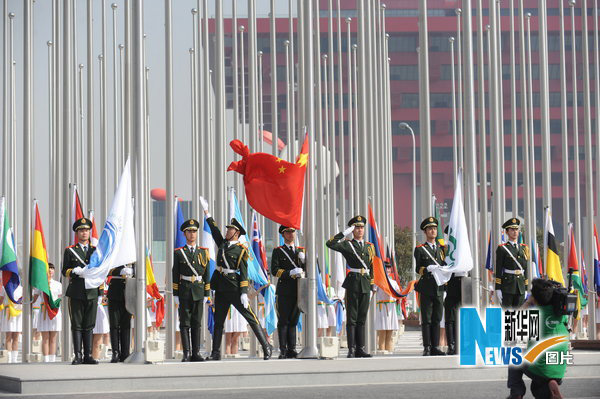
(83, 302)
(451, 304)
(358, 285)
(511, 269)
(285, 259)
(118, 316)
(191, 273)
(430, 294)
(230, 281)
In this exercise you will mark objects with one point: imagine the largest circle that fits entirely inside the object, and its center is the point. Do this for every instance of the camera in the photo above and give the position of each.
(548, 292)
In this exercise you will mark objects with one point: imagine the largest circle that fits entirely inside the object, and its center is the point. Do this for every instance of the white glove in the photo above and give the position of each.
(204, 203)
(431, 268)
(499, 295)
(301, 257)
(176, 298)
(298, 271)
(374, 288)
(126, 272)
(77, 270)
(245, 301)
(348, 230)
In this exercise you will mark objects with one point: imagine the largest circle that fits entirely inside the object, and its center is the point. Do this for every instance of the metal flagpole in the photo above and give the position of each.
(325, 164)
(545, 103)
(483, 180)
(53, 181)
(127, 122)
(362, 106)
(27, 176)
(406, 126)
(207, 103)
(118, 161)
(330, 117)
(124, 140)
(454, 126)
(355, 138)
(77, 157)
(513, 114)
(89, 180)
(236, 89)
(261, 123)
(242, 192)
(5, 100)
(575, 129)
(530, 130)
(350, 116)
(289, 93)
(529, 220)
(342, 149)
(194, 109)
(252, 74)
(459, 72)
(500, 110)
(137, 119)
(301, 74)
(471, 147)
(81, 148)
(103, 121)
(274, 114)
(307, 58)
(169, 167)
(424, 114)
(592, 301)
(198, 110)
(292, 133)
(564, 136)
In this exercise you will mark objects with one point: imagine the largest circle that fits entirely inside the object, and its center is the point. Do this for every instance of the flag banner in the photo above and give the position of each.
(440, 228)
(381, 278)
(258, 246)
(76, 212)
(553, 268)
(596, 261)
(323, 297)
(274, 187)
(574, 271)
(535, 263)
(459, 258)
(488, 256)
(116, 245)
(38, 265)
(8, 257)
(179, 236)
(584, 278)
(94, 232)
(206, 241)
(153, 291)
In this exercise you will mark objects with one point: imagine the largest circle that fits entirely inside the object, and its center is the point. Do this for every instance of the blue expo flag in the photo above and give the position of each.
(207, 242)
(179, 236)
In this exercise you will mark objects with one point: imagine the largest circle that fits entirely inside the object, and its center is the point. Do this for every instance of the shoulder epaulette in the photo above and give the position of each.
(370, 243)
(72, 246)
(203, 248)
(243, 245)
(419, 246)
(524, 245)
(301, 248)
(177, 249)
(503, 244)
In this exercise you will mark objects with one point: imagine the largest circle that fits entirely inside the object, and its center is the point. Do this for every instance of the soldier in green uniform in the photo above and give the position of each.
(287, 264)
(511, 267)
(82, 302)
(118, 316)
(358, 283)
(430, 256)
(230, 283)
(190, 284)
(451, 304)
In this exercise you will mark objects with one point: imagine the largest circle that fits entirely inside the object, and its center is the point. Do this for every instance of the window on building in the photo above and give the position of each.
(404, 72)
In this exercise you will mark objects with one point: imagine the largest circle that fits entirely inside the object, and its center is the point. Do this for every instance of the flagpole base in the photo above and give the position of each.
(309, 352)
(137, 357)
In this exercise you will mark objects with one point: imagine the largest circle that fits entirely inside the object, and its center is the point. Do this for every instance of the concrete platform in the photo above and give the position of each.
(244, 373)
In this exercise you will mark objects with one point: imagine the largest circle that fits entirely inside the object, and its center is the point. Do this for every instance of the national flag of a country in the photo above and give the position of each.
(574, 271)
(553, 268)
(274, 187)
(38, 265)
(153, 291)
(179, 236)
(596, 260)
(257, 244)
(440, 228)
(94, 232)
(76, 212)
(8, 257)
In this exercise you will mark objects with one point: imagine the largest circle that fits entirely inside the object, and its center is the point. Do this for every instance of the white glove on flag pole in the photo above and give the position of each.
(116, 245)
(459, 257)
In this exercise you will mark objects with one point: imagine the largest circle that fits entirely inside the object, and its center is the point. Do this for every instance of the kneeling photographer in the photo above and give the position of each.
(555, 304)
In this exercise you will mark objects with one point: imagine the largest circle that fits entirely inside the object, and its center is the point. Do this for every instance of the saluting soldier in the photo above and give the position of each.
(511, 267)
(230, 283)
(118, 316)
(358, 283)
(191, 286)
(82, 302)
(287, 264)
(428, 257)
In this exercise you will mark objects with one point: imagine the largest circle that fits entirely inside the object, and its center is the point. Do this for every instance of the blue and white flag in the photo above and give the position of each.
(179, 236)
(116, 245)
(206, 241)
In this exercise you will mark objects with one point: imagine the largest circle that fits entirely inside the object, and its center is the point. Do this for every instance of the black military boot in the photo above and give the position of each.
(195, 332)
(435, 340)
(77, 342)
(125, 342)
(114, 344)
(360, 342)
(262, 339)
(216, 344)
(426, 334)
(350, 337)
(291, 342)
(185, 343)
(282, 334)
(451, 338)
(88, 339)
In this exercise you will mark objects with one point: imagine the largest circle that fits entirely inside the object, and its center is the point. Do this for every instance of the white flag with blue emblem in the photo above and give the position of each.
(116, 245)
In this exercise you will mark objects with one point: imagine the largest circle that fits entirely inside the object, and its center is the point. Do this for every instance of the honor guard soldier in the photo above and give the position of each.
(511, 267)
(230, 283)
(287, 264)
(358, 283)
(118, 316)
(190, 284)
(428, 257)
(82, 302)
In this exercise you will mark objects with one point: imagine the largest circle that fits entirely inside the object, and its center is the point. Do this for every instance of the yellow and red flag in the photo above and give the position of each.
(153, 291)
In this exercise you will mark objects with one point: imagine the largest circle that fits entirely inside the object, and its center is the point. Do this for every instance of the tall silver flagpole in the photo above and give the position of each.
(207, 101)
(220, 127)
(124, 140)
(292, 133)
(307, 58)
(424, 114)
(127, 103)
(575, 128)
(500, 94)
(137, 119)
(592, 308)
(483, 180)
(52, 178)
(252, 74)
(545, 103)
(169, 201)
(236, 89)
(530, 129)
(77, 155)
(5, 100)
(513, 115)
(529, 220)
(350, 116)
(199, 110)
(89, 180)
(460, 88)
(362, 106)
(117, 141)
(27, 177)
(331, 116)
(274, 113)
(80, 116)
(194, 109)
(242, 193)
(454, 125)
(355, 114)
(103, 122)
(564, 135)
(341, 138)
(471, 146)
(261, 122)
(289, 94)
(405, 125)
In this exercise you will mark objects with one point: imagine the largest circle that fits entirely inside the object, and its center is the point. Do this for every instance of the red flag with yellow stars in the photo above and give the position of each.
(274, 187)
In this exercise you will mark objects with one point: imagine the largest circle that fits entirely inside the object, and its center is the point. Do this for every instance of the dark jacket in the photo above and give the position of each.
(426, 284)
(199, 260)
(281, 265)
(76, 288)
(355, 257)
(507, 282)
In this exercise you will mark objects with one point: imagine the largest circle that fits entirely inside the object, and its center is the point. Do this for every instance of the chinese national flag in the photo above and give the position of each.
(274, 187)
